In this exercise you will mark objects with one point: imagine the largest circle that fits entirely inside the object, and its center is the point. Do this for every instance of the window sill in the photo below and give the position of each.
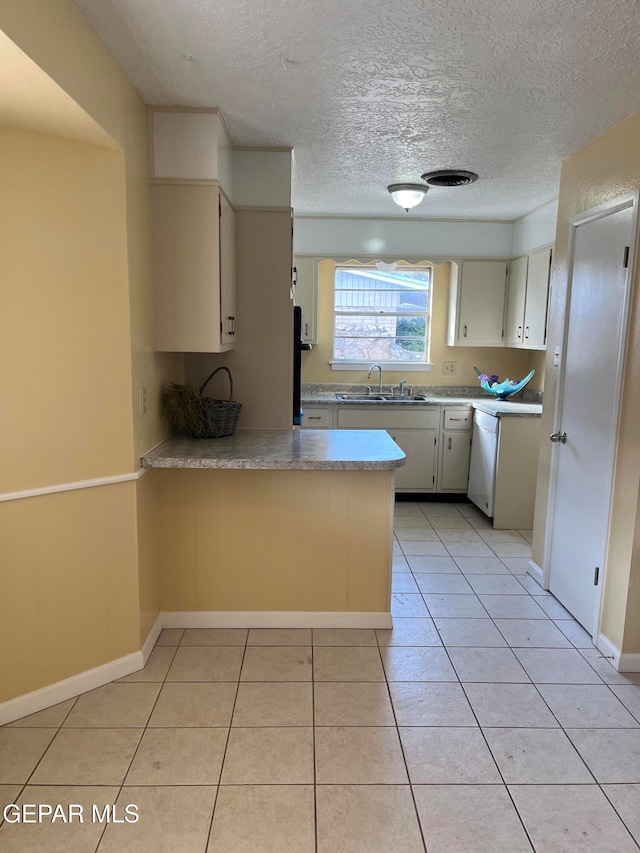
(397, 366)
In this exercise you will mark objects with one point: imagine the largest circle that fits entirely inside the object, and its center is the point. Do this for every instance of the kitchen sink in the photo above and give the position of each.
(361, 397)
(377, 398)
(413, 398)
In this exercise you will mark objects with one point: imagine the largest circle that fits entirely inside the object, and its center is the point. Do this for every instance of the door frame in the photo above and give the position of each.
(623, 202)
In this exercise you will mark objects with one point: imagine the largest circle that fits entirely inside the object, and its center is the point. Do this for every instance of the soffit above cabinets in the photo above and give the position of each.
(372, 92)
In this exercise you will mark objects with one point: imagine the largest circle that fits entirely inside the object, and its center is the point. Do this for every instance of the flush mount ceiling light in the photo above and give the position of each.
(407, 195)
(449, 178)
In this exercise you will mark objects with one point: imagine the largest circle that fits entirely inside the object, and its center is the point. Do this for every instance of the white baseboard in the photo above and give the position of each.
(622, 661)
(536, 572)
(22, 706)
(275, 619)
(604, 645)
(30, 703)
(629, 662)
(152, 638)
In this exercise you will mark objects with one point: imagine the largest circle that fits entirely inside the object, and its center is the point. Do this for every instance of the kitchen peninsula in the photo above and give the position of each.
(275, 528)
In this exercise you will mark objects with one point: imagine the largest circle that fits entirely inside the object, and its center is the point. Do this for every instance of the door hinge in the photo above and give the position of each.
(625, 260)
(596, 575)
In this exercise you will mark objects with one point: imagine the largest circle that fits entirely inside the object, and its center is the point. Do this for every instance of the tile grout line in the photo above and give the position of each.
(506, 787)
(226, 746)
(404, 757)
(135, 752)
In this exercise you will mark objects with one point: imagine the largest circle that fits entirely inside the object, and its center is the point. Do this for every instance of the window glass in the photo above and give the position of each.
(381, 316)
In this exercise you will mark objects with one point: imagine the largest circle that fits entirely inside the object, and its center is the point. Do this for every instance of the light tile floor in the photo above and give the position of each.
(484, 722)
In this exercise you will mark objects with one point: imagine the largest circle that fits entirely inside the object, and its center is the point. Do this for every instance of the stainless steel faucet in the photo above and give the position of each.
(392, 389)
(373, 367)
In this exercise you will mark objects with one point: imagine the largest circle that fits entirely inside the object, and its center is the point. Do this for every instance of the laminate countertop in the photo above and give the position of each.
(501, 409)
(272, 449)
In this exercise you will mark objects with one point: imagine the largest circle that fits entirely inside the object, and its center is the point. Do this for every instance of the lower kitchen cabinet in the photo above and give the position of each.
(317, 417)
(436, 440)
(455, 449)
(455, 453)
(415, 432)
(419, 471)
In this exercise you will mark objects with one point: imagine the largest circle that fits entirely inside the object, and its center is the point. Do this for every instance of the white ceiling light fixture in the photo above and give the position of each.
(407, 195)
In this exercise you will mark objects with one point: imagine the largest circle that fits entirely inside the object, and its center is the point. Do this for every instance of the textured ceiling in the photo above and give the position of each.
(372, 92)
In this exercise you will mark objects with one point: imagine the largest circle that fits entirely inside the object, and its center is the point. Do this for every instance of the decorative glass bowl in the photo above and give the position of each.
(502, 390)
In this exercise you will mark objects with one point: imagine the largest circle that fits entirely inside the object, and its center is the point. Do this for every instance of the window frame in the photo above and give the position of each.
(411, 365)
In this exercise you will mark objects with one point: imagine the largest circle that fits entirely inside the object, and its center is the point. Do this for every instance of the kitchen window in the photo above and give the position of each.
(381, 316)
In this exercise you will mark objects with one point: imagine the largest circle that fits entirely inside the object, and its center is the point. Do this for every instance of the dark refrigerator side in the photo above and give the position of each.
(298, 347)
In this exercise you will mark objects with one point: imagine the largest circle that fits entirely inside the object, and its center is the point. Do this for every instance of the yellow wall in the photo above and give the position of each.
(66, 409)
(69, 599)
(603, 170)
(76, 325)
(505, 362)
(58, 39)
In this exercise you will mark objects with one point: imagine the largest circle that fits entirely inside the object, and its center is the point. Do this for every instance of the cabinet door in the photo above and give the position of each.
(317, 417)
(481, 304)
(227, 271)
(535, 318)
(419, 446)
(186, 268)
(517, 291)
(306, 296)
(454, 458)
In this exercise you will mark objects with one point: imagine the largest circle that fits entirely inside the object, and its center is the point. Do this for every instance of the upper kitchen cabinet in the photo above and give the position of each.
(193, 268)
(527, 300)
(193, 223)
(476, 303)
(306, 296)
(516, 297)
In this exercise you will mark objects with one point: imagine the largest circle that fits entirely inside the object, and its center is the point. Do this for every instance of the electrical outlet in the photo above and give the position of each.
(449, 368)
(143, 401)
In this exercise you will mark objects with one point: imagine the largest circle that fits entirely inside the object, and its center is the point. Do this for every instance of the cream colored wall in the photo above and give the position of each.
(66, 409)
(602, 170)
(59, 40)
(273, 540)
(505, 362)
(78, 326)
(68, 577)
(261, 363)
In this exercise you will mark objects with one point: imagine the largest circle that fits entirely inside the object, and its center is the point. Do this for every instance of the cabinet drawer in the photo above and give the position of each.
(382, 417)
(317, 417)
(458, 418)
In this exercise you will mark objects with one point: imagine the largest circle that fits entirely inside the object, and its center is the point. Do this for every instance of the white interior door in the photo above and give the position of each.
(587, 410)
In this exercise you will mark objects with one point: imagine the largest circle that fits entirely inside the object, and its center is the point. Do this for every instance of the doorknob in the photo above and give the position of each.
(559, 436)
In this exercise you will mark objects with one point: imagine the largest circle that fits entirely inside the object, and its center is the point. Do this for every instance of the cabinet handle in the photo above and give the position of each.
(230, 325)
(519, 331)
(464, 334)
(526, 332)
(449, 442)
(458, 419)
(306, 330)
(314, 418)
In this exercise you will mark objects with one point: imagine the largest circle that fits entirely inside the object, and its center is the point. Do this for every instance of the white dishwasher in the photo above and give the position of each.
(482, 469)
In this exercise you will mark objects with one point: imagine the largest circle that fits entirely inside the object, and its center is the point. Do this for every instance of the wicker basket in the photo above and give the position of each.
(221, 416)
